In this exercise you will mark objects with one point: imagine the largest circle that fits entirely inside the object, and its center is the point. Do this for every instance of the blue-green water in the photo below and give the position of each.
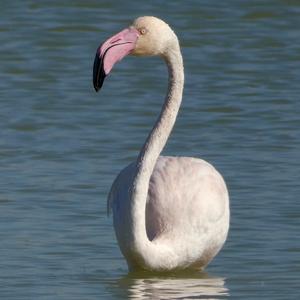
(61, 144)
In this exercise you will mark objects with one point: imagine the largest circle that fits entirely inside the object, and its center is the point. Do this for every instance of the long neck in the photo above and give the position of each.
(163, 126)
(150, 152)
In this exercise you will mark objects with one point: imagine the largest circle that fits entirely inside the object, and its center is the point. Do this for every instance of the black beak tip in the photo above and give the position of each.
(98, 72)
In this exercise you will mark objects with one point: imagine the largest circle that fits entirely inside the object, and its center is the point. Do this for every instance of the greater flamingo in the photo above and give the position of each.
(169, 213)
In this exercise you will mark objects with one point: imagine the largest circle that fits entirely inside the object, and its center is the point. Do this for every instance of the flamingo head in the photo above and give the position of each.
(147, 36)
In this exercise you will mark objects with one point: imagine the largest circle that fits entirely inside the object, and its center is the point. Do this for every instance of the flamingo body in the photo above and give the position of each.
(186, 209)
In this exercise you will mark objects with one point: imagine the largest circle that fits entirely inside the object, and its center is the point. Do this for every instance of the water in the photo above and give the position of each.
(61, 144)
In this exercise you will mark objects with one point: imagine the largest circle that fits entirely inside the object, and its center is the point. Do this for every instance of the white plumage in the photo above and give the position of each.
(186, 209)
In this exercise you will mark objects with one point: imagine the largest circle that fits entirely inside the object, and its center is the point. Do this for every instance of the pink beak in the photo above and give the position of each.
(112, 51)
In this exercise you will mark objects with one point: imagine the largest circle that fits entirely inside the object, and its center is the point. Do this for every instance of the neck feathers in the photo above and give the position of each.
(150, 152)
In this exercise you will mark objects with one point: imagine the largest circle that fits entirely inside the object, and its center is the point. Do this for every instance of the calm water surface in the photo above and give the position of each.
(61, 144)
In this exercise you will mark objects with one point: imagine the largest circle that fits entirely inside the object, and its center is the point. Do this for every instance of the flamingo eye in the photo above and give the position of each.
(143, 30)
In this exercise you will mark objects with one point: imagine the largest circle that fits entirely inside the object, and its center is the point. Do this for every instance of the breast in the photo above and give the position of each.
(186, 196)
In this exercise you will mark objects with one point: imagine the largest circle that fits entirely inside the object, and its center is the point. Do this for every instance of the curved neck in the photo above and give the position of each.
(147, 158)
(166, 120)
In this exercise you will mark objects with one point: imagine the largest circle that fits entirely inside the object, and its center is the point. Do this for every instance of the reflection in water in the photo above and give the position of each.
(195, 287)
